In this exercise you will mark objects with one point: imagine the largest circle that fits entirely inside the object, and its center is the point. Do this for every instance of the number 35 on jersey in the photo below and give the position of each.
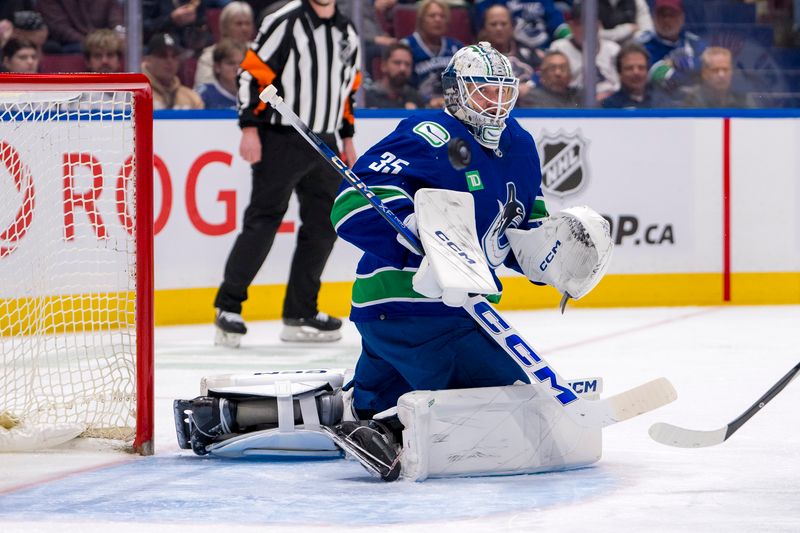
(388, 163)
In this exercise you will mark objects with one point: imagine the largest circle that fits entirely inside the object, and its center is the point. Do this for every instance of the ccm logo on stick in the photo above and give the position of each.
(517, 346)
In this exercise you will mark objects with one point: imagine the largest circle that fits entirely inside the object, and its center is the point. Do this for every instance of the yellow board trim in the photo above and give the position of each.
(70, 313)
(189, 306)
(23, 316)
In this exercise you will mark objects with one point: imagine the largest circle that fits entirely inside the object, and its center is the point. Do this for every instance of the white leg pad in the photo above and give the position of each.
(492, 431)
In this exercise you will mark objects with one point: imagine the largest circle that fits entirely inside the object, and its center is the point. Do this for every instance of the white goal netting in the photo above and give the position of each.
(68, 264)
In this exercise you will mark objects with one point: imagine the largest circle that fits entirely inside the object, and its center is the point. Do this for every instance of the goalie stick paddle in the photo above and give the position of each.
(587, 413)
(697, 438)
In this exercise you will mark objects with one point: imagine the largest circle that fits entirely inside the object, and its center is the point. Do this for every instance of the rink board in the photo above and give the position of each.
(694, 207)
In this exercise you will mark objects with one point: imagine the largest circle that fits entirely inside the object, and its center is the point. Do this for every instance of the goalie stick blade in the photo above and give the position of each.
(678, 437)
(634, 402)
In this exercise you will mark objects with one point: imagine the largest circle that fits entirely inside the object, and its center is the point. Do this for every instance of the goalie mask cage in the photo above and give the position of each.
(76, 256)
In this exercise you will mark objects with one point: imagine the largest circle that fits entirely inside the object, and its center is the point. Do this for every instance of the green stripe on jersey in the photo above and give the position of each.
(539, 210)
(350, 201)
(390, 285)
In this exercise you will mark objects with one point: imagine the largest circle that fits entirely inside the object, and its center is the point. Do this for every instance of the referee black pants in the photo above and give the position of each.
(288, 163)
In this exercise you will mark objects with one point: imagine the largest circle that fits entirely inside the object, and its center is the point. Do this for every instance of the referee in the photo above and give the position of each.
(310, 52)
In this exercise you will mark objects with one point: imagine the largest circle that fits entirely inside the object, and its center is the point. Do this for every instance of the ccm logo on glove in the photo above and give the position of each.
(549, 257)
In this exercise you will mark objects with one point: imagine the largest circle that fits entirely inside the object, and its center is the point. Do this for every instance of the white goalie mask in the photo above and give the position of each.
(480, 90)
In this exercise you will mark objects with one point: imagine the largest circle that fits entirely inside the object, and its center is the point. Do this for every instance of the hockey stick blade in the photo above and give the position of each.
(588, 413)
(679, 437)
(639, 400)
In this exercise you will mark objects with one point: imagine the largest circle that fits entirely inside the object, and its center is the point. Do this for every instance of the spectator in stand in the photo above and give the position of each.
(716, 76)
(29, 25)
(8, 9)
(221, 93)
(373, 37)
(499, 32)
(103, 51)
(6, 29)
(622, 19)
(183, 19)
(431, 50)
(392, 90)
(572, 47)
(20, 55)
(70, 21)
(235, 23)
(536, 22)
(554, 89)
(635, 91)
(674, 52)
(161, 64)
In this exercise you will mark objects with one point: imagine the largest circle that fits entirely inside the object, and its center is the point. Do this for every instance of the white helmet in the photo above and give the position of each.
(480, 90)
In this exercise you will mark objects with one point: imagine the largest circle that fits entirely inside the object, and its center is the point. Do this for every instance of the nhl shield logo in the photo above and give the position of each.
(564, 165)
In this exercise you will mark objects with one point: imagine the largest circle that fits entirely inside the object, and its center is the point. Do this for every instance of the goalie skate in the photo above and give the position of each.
(230, 328)
(319, 328)
(370, 445)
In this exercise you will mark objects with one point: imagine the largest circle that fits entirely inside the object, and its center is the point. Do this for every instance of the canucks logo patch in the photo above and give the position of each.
(432, 132)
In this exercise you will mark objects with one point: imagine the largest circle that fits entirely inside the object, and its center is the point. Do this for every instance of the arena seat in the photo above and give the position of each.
(404, 20)
(62, 63)
(187, 71)
(212, 18)
(460, 26)
(375, 69)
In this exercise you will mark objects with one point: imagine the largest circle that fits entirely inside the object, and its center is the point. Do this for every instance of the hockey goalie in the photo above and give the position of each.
(443, 386)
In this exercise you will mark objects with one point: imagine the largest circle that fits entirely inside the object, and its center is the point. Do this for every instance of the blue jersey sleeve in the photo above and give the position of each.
(393, 169)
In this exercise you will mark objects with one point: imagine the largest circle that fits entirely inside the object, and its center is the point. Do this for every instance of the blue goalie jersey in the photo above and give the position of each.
(505, 186)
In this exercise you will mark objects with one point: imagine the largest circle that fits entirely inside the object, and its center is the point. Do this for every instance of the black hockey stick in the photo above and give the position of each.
(587, 413)
(691, 438)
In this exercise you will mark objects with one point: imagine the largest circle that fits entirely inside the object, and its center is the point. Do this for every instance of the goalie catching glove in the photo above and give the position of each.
(569, 251)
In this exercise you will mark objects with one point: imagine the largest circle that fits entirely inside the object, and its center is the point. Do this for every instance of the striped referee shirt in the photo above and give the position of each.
(313, 63)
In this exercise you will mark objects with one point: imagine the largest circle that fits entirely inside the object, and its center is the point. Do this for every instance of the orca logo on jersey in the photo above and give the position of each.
(511, 215)
(564, 162)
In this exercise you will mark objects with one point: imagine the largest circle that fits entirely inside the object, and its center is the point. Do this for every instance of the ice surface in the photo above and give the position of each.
(720, 360)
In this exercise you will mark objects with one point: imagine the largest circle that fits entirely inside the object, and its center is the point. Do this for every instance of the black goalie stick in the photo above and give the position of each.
(696, 438)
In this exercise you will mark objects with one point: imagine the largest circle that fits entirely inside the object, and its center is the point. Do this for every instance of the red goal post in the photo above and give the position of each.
(76, 259)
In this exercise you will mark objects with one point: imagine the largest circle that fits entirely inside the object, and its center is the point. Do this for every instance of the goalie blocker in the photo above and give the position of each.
(306, 414)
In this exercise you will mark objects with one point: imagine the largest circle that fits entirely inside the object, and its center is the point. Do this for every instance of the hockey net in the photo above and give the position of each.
(76, 346)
